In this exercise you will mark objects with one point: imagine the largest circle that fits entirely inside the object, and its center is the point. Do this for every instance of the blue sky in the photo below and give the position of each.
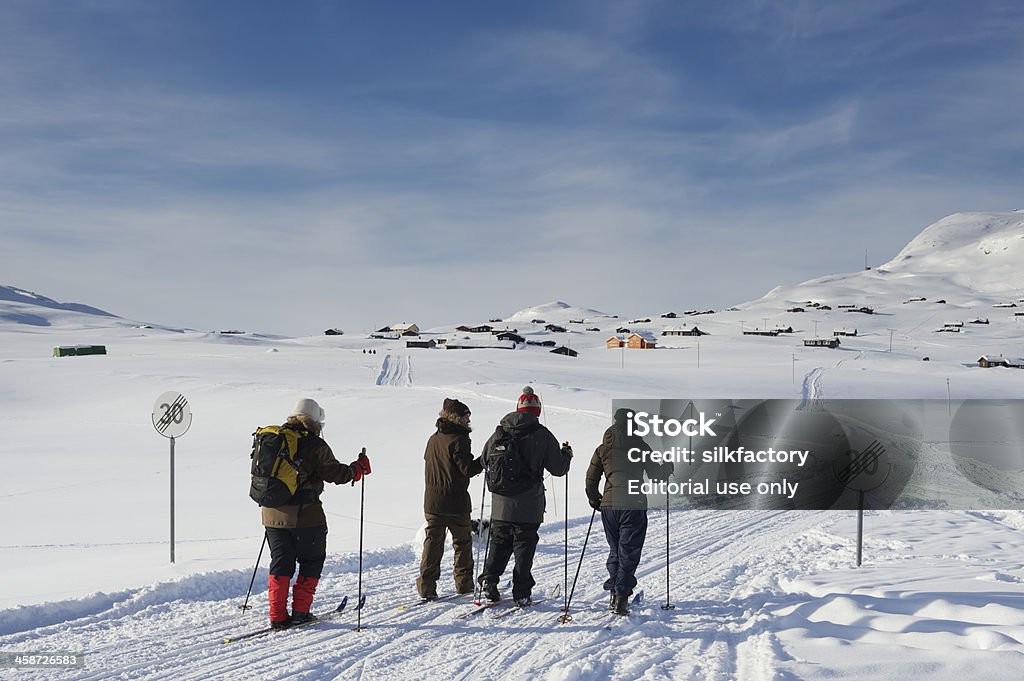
(286, 167)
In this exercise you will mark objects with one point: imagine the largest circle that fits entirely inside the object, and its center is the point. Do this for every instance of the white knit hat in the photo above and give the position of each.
(308, 407)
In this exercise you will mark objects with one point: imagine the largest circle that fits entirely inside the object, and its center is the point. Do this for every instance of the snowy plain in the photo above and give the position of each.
(758, 594)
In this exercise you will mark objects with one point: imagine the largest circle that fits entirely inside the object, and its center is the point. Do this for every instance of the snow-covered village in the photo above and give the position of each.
(570, 342)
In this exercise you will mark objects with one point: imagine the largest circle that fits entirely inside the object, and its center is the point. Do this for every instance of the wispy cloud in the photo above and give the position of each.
(620, 138)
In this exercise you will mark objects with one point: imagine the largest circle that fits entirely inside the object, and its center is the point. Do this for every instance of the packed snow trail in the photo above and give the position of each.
(395, 370)
(181, 639)
(758, 596)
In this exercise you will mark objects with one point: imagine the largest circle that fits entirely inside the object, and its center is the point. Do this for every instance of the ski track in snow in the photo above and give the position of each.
(395, 371)
(811, 391)
(716, 632)
(759, 596)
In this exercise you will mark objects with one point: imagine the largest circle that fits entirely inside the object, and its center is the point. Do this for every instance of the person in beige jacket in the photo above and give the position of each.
(297, 532)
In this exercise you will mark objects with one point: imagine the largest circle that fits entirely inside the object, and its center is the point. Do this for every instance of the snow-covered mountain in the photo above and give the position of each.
(25, 307)
(969, 260)
(556, 312)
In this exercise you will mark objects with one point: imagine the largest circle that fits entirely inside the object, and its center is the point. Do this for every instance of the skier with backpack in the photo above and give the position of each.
(515, 458)
(623, 515)
(448, 467)
(290, 464)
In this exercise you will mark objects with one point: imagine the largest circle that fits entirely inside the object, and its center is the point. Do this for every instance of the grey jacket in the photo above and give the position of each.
(542, 452)
(610, 460)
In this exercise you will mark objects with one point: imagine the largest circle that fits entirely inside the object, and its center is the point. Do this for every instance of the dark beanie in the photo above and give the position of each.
(454, 407)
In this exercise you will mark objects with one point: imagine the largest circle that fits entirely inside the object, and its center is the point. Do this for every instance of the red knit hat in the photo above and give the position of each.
(529, 402)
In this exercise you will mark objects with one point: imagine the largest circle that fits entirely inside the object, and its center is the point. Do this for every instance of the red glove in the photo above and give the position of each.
(360, 467)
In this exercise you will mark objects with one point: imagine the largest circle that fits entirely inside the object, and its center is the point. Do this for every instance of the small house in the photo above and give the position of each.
(1000, 361)
(334, 332)
(593, 328)
(420, 343)
(979, 321)
(614, 343)
(495, 320)
(846, 306)
(1005, 305)
(949, 325)
(682, 331)
(824, 307)
(821, 342)
(915, 299)
(795, 309)
(641, 340)
(759, 332)
(669, 315)
(576, 321)
(404, 329)
(554, 328)
(787, 329)
(864, 310)
(543, 343)
(510, 336)
(844, 332)
(537, 321)
(78, 350)
(563, 350)
(623, 329)
(645, 320)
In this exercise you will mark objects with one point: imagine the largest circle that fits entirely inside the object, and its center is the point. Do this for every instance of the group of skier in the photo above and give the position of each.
(514, 460)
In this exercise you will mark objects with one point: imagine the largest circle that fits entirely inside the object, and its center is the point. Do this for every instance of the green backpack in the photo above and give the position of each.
(276, 466)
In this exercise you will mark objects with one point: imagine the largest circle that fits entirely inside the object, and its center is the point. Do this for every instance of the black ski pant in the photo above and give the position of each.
(508, 539)
(305, 545)
(625, 531)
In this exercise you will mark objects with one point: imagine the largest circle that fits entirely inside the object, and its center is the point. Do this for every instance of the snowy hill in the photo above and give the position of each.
(25, 307)
(967, 259)
(983, 252)
(556, 312)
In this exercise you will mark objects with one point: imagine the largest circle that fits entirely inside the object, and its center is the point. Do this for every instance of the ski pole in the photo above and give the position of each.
(668, 603)
(565, 577)
(566, 617)
(362, 505)
(480, 530)
(246, 606)
(487, 547)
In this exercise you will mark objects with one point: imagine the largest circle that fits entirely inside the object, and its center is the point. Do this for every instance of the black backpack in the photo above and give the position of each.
(507, 471)
(276, 466)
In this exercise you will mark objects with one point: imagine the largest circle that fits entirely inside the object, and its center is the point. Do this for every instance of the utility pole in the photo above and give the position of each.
(794, 368)
(890, 339)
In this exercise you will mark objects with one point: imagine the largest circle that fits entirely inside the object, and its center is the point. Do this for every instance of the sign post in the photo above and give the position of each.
(867, 470)
(172, 418)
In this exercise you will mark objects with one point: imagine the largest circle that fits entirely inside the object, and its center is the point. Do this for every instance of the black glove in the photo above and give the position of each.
(595, 503)
(566, 449)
